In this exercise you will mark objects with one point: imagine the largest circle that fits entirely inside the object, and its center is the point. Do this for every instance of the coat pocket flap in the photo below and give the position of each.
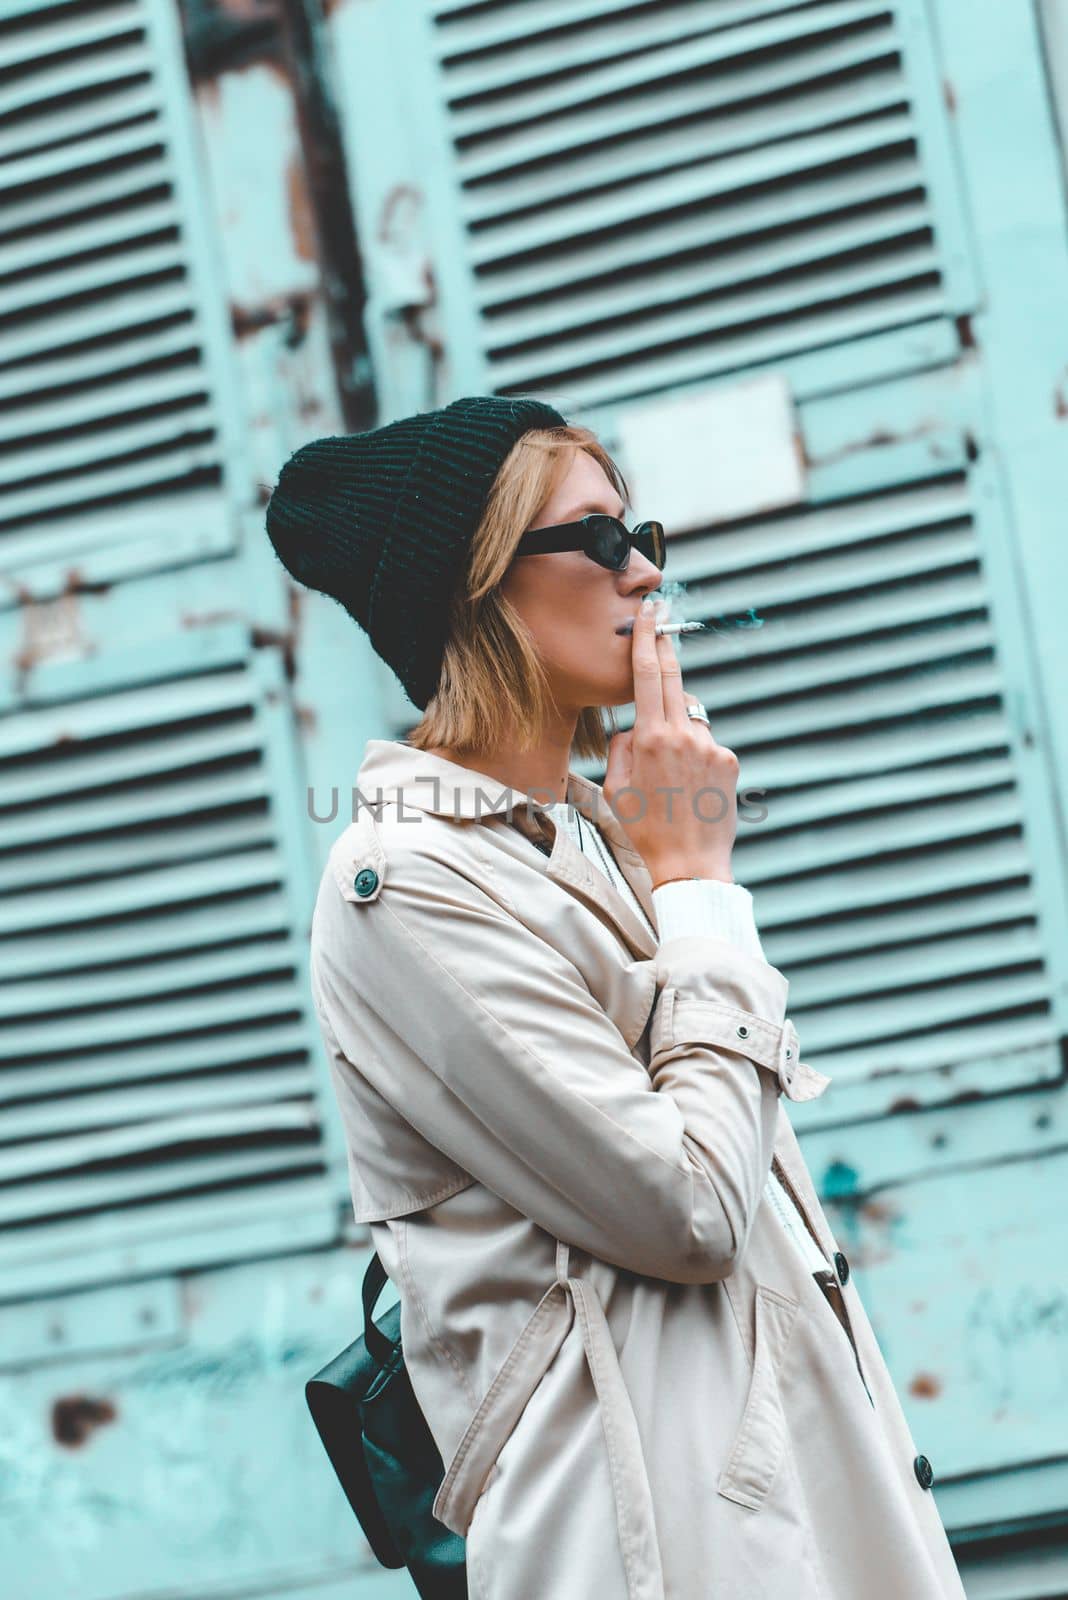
(761, 1437)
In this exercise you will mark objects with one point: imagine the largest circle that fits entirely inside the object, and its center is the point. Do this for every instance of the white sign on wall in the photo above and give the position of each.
(730, 451)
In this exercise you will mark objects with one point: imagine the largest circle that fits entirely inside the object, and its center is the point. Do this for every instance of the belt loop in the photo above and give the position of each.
(563, 1261)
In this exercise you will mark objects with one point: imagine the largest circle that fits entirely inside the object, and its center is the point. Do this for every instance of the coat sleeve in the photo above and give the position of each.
(487, 1040)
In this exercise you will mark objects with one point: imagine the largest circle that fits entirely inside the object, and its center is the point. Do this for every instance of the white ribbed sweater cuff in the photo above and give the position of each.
(708, 906)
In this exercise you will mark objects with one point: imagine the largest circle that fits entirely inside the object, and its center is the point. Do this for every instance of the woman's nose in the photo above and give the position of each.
(641, 574)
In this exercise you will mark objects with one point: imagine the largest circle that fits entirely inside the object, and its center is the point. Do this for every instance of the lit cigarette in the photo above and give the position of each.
(664, 627)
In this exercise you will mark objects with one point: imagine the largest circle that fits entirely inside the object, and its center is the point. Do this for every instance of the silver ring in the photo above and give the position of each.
(698, 714)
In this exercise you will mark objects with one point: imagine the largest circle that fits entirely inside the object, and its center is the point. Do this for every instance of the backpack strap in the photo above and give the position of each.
(379, 1347)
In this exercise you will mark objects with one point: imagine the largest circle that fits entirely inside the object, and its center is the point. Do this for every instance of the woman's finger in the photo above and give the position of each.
(672, 692)
(645, 664)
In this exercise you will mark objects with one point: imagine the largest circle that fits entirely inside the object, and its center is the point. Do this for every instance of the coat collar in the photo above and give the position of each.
(423, 782)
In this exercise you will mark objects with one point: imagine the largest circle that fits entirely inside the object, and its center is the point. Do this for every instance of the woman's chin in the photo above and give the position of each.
(619, 693)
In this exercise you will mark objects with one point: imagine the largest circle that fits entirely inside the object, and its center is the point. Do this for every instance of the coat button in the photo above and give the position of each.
(924, 1472)
(841, 1266)
(365, 881)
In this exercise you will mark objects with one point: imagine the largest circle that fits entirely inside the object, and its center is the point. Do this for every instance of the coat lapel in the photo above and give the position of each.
(568, 867)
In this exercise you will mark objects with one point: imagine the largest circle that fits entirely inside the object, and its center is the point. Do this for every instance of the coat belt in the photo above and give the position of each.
(567, 1300)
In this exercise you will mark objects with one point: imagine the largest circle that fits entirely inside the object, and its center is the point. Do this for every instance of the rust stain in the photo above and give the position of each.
(925, 1386)
(76, 1417)
(949, 94)
(877, 1211)
(301, 219)
(295, 308)
(1060, 403)
(904, 1102)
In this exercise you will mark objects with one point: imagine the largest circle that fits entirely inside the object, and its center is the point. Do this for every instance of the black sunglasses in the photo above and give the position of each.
(605, 539)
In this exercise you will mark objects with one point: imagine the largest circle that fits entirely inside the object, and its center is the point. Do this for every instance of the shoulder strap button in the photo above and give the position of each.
(365, 882)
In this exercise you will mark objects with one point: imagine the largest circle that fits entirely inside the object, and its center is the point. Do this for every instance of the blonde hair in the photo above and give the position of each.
(493, 686)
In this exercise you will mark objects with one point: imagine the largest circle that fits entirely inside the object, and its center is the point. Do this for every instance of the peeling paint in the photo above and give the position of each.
(881, 438)
(207, 619)
(52, 629)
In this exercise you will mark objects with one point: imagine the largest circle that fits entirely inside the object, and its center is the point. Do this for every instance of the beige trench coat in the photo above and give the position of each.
(559, 1132)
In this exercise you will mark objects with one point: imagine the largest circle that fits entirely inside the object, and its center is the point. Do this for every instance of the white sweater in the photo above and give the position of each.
(696, 906)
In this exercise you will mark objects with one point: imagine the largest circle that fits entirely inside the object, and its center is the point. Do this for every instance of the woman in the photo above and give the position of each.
(624, 1313)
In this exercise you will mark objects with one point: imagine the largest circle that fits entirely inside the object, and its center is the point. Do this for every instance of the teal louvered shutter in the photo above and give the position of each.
(161, 1076)
(158, 1069)
(118, 438)
(613, 207)
(618, 203)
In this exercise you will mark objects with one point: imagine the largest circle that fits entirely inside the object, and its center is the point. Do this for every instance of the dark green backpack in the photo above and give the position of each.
(383, 1452)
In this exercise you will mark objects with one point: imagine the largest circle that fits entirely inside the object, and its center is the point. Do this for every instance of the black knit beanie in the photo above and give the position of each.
(382, 521)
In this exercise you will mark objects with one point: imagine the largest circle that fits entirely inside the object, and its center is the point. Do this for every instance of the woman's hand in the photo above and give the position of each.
(676, 787)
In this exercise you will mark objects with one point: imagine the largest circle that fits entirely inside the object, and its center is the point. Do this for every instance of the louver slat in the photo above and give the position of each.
(508, 24)
(127, 103)
(931, 919)
(100, 901)
(156, 1040)
(157, 1238)
(140, 307)
(80, 368)
(52, 1199)
(207, 1055)
(34, 50)
(648, 197)
(748, 303)
(100, 265)
(1020, 1050)
(820, 200)
(596, 75)
(126, 398)
(195, 970)
(740, 272)
(62, 244)
(895, 745)
(616, 141)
